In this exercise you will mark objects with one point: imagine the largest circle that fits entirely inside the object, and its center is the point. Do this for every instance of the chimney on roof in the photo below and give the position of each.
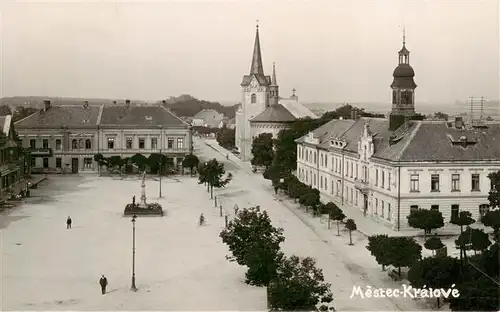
(46, 105)
(459, 122)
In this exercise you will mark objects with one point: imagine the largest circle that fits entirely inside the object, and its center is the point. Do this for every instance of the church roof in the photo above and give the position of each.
(261, 79)
(274, 113)
(296, 109)
(257, 68)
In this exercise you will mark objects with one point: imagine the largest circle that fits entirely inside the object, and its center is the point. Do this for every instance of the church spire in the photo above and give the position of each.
(273, 78)
(257, 68)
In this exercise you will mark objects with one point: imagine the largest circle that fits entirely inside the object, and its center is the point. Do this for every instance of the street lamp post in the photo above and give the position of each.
(133, 288)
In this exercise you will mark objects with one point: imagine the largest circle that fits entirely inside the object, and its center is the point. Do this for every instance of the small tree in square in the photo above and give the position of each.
(464, 219)
(378, 246)
(433, 243)
(434, 273)
(190, 161)
(473, 239)
(212, 173)
(492, 219)
(426, 220)
(255, 243)
(336, 214)
(299, 286)
(350, 225)
(403, 252)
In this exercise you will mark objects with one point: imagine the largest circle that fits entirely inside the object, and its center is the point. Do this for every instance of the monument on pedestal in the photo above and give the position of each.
(143, 208)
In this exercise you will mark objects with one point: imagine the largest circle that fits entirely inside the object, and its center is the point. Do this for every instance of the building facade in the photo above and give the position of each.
(65, 138)
(386, 173)
(13, 165)
(262, 110)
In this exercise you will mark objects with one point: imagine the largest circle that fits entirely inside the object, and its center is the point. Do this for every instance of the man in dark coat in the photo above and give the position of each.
(103, 282)
(68, 222)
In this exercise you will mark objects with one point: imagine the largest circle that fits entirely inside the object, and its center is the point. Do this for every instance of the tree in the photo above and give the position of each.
(299, 286)
(311, 198)
(115, 161)
(478, 284)
(336, 214)
(434, 273)
(426, 220)
(378, 246)
(212, 173)
(474, 239)
(464, 219)
(403, 252)
(226, 137)
(159, 163)
(262, 150)
(492, 219)
(442, 116)
(5, 110)
(140, 161)
(190, 161)
(350, 225)
(255, 243)
(434, 243)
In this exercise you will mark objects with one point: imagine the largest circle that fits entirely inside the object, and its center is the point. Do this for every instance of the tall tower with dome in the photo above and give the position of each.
(403, 87)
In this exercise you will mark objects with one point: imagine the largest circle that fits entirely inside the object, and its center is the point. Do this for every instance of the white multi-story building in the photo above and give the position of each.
(65, 138)
(388, 167)
(262, 110)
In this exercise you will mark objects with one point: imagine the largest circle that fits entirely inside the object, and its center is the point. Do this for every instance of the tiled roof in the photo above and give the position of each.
(274, 113)
(70, 116)
(296, 109)
(263, 80)
(418, 141)
(139, 116)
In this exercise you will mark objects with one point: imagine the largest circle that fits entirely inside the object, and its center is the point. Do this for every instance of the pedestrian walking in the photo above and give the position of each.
(202, 219)
(103, 282)
(68, 223)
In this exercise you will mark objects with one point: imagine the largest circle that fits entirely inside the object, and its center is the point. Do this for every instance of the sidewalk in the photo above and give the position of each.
(365, 225)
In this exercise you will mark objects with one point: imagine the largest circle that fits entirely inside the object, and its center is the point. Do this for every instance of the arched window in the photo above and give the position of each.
(253, 99)
(74, 144)
(88, 144)
(82, 144)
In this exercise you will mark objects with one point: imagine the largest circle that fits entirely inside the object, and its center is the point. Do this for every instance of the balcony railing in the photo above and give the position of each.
(361, 185)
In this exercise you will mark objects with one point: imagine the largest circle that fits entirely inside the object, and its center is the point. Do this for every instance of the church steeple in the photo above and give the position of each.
(404, 54)
(257, 68)
(274, 89)
(273, 78)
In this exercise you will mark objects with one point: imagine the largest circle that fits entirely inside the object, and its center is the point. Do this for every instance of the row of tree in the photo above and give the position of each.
(155, 162)
(226, 137)
(293, 283)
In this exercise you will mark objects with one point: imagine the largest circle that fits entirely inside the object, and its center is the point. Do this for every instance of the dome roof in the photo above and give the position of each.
(403, 71)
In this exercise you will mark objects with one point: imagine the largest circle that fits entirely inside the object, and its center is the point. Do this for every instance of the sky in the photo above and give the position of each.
(330, 51)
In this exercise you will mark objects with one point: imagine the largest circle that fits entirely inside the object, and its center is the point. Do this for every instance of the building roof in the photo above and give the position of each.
(140, 116)
(296, 109)
(211, 118)
(71, 116)
(274, 113)
(257, 68)
(417, 141)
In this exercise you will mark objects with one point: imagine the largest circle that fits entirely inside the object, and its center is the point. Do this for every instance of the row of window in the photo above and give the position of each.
(455, 209)
(87, 162)
(455, 182)
(87, 143)
(142, 143)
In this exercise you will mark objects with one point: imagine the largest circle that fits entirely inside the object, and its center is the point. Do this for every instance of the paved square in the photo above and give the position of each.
(179, 265)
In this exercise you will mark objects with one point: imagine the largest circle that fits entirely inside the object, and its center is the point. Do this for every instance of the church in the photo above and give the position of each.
(262, 110)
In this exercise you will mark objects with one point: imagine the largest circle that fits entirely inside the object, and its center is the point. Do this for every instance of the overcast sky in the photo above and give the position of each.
(330, 51)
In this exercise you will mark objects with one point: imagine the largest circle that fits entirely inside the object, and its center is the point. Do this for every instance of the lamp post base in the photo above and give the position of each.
(133, 288)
